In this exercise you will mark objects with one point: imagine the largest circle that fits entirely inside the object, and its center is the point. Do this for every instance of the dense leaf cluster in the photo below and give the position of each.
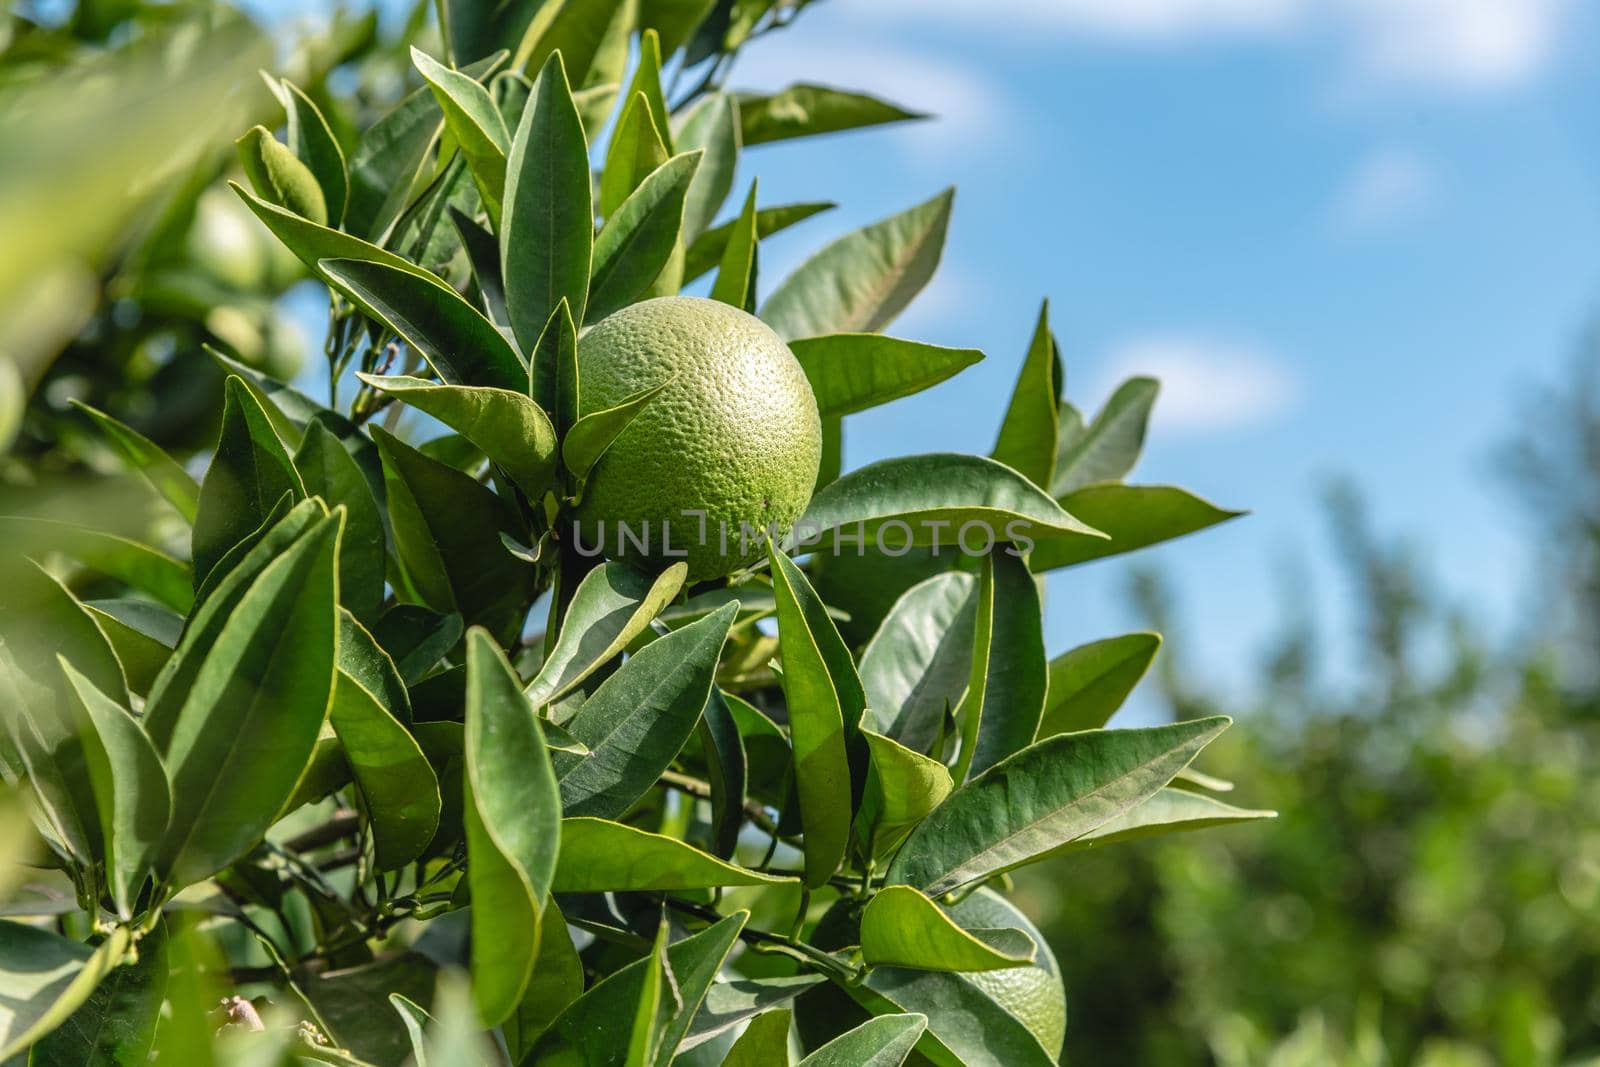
(336, 753)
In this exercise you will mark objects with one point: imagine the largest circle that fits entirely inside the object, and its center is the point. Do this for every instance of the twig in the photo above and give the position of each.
(695, 787)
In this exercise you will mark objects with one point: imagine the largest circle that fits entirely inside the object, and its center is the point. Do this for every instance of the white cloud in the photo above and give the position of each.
(1207, 384)
(1448, 44)
(1389, 186)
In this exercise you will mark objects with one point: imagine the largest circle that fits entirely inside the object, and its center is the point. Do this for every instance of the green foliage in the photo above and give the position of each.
(326, 763)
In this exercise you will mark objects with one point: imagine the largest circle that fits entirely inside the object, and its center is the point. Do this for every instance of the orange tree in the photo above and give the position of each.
(393, 762)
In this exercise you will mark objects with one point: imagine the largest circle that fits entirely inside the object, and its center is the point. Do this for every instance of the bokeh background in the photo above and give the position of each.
(1359, 242)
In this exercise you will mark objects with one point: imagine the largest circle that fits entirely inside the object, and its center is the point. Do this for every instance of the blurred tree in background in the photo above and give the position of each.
(1431, 891)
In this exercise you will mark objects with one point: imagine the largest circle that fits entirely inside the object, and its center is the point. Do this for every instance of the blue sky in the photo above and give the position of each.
(1346, 233)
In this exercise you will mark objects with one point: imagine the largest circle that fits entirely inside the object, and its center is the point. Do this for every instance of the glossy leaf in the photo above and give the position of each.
(598, 856)
(1089, 683)
(644, 1038)
(920, 500)
(807, 110)
(587, 1031)
(116, 1026)
(398, 787)
(557, 981)
(1170, 810)
(612, 605)
(47, 978)
(1030, 432)
(711, 125)
(163, 472)
(279, 177)
(903, 786)
(416, 638)
(506, 425)
(249, 472)
(140, 566)
(639, 236)
(312, 243)
(851, 372)
(248, 723)
(736, 273)
(900, 927)
(591, 435)
(1006, 690)
(131, 791)
(825, 701)
(862, 281)
(547, 231)
(512, 811)
(732, 1000)
(142, 635)
(637, 721)
(966, 1025)
(636, 150)
(327, 470)
(447, 532)
(1050, 793)
(475, 29)
(1107, 449)
(917, 666)
(765, 1041)
(884, 1041)
(726, 771)
(578, 29)
(710, 247)
(647, 80)
(554, 384)
(313, 141)
(1132, 517)
(483, 254)
(461, 346)
(474, 121)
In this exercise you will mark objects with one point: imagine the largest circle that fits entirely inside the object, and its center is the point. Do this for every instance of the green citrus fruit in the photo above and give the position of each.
(728, 450)
(1033, 995)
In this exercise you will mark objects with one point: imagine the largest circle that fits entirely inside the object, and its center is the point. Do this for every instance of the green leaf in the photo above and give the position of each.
(1189, 778)
(736, 274)
(1050, 793)
(507, 426)
(46, 979)
(329, 471)
(591, 435)
(131, 791)
(1171, 810)
(765, 1041)
(416, 638)
(647, 80)
(902, 928)
(279, 177)
(483, 254)
(513, 811)
(851, 372)
(163, 472)
(312, 243)
(710, 247)
(371, 667)
(354, 1003)
(557, 982)
(116, 1026)
(249, 472)
(474, 121)
(461, 346)
(554, 384)
(398, 787)
(727, 772)
(587, 1031)
(578, 29)
(825, 701)
(730, 1001)
(1132, 516)
(1108, 448)
(548, 230)
(966, 1024)
(249, 721)
(917, 665)
(859, 283)
(712, 124)
(635, 151)
(1031, 429)
(885, 1041)
(313, 142)
(644, 1039)
(1006, 691)
(475, 29)
(807, 110)
(639, 236)
(767, 753)
(142, 634)
(637, 721)
(598, 856)
(943, 499)
(139, 566)
(611, 606)
(903, 786)
(1089, 683)
(447, 532)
